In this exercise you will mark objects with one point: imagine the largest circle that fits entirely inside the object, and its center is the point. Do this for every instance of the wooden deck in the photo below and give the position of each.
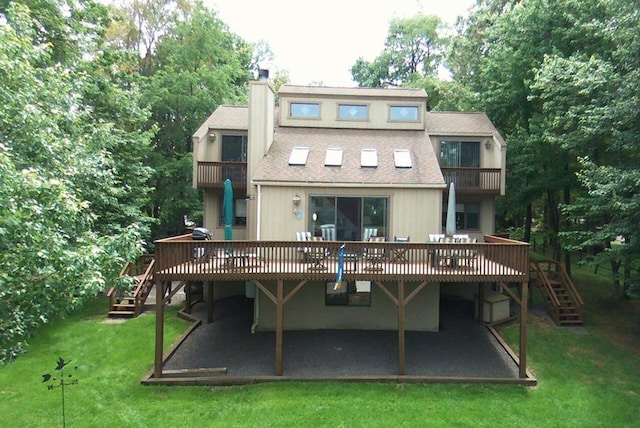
(496, 259)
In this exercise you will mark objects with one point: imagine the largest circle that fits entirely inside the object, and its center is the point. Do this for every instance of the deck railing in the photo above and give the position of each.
(496, 259)
(473, 180)
(213, 174)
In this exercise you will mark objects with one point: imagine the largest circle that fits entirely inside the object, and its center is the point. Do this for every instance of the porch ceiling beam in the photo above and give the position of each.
(511, 294)
(523, 331)
(416, 291)
(279, 326)
(266, 292)
(387, 292)
(173, 292)
(157, 366)
(295, 290)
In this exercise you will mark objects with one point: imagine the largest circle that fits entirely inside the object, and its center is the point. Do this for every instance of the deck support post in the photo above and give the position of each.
(279, 325)
(401, 335)
(157, 368)
(523, 330)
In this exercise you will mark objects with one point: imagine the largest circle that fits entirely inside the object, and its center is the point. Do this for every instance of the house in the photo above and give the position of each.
(347, 164)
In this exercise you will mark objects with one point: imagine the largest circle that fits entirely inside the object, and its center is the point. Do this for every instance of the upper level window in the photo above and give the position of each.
(369, 158)
(460, 154)
(234, 148)
(353, 112)
(304, 110)
(402, 158)
(403, 113)
(299, 156)
(333, 157)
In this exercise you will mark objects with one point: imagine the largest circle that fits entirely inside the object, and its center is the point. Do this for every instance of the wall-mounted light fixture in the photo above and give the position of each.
(488, 144)
(212, 137)
(296, 200)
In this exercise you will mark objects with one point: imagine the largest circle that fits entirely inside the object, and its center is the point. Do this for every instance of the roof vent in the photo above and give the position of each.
(263, 75)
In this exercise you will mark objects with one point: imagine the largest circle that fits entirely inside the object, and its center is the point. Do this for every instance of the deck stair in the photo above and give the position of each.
(563, 301)
(130, 304)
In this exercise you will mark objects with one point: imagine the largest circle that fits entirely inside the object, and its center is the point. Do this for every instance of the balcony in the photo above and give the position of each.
(211, 175)
(473, 180)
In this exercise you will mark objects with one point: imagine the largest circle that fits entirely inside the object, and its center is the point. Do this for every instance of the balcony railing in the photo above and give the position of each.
(213, 174)
(473, 180)
(496, 259)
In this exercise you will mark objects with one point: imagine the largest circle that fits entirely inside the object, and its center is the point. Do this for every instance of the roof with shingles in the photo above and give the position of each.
(459, 123)
(229, 117)
(275, 168)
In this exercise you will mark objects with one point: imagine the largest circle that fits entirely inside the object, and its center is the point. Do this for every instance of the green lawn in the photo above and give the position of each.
(584, 381)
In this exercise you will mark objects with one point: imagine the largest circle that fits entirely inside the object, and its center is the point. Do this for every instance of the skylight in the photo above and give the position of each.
(402, 158)
(299, 156)
(369, 158)
(333, 157)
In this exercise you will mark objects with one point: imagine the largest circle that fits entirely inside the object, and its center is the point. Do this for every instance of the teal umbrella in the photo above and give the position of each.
(227, 208)
(450, 228)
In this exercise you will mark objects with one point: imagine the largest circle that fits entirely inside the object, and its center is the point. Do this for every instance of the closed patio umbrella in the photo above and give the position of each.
(227, 208)
(450, 228)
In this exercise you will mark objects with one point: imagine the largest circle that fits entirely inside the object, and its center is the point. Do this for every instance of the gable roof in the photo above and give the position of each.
(275, 168)
(229, 117)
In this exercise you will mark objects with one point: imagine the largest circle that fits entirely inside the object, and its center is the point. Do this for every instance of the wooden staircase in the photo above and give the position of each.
(130, 304)
(560, 294)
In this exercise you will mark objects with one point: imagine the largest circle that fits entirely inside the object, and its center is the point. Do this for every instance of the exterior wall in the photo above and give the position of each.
(211, 215)
(378, 113)
(413, 212)
(306, 310)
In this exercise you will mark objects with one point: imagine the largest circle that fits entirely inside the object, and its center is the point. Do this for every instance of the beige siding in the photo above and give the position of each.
(378, 114)
(306, 310)
(413, 212)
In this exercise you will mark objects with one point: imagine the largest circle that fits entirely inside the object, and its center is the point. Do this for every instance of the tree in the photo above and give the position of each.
(196, 67)
(67, 218)
(413, 49)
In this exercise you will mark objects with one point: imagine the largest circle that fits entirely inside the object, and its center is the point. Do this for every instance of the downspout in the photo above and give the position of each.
(256, 303)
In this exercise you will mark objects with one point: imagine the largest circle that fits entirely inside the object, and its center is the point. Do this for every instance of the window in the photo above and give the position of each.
(234, 148)
(467, 216)
(402, 158)
(369, 158)
(403, 113)
(239, 212)
(299, 156)
(348, 293)
(304, 110)
(333, 157)
(460, 154)
(353, 112)
(352, 216)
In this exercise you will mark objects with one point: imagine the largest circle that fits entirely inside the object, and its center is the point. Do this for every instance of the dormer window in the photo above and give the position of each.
(403, 113)
(304, 110)
(353, 112)
(299, 156)
(369, 158)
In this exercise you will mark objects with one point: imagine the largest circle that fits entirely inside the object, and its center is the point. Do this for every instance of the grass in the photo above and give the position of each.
(584, 381)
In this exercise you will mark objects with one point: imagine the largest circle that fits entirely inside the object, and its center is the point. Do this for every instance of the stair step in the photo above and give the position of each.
(122, 313)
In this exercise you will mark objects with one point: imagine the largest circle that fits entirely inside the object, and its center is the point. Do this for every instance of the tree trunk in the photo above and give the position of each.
(527, 223)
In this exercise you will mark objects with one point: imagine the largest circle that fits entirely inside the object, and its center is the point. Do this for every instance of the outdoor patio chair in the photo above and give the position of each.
(302, 251)
(467, 257)
(369, 232)
(317, 254)
(328, 232)
(375, 256)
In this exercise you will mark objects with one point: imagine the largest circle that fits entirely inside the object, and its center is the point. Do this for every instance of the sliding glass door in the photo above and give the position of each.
(350, 216)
